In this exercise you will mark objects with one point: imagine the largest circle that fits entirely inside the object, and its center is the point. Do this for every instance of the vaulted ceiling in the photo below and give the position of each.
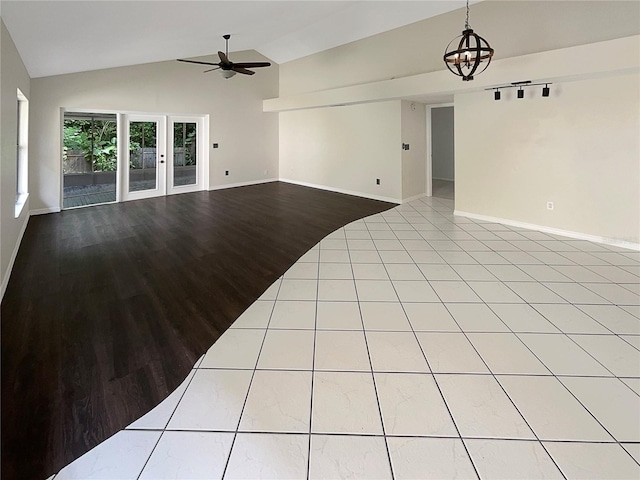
(57, 37)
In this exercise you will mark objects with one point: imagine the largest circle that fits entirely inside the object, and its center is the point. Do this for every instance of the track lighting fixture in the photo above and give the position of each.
(469, 50)
(520, 86)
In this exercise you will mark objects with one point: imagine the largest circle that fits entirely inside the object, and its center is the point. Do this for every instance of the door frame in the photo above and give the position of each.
(429, 169)
(199, 120)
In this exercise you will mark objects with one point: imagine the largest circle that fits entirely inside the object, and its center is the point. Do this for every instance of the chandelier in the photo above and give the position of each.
(469, 51)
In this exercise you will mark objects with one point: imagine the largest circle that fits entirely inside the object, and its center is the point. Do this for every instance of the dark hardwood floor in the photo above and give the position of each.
(109, 307)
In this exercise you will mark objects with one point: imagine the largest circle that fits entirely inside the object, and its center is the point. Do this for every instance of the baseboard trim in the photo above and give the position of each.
(415, 197)
(242, 184)
(554, 231)
(342, 190)
(14, 254)
(44, 211)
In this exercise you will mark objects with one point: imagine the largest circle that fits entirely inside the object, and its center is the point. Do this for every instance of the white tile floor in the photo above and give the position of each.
(412, 345)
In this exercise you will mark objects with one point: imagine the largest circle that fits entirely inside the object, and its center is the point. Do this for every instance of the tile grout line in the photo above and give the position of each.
(473, 463)
(313, 361)
(391, 435)
(561, 375)
(619, 335)
(373, 378)
(164, 429)
(266, 331)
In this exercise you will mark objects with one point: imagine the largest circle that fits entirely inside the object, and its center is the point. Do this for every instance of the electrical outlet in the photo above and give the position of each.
(377, 181)
(549, 205)
(226, 172)
(215, 145)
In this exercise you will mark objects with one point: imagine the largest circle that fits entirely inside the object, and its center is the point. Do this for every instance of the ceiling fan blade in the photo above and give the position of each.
(238, 69)
(211, 70)
(252, 64)
(223, 59)
(201, 63)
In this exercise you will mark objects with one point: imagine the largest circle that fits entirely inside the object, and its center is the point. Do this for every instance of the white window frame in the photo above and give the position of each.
(22, 153)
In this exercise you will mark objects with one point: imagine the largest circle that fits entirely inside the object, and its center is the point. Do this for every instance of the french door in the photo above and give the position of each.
(163, 156)
(145, 157)
(185, 163)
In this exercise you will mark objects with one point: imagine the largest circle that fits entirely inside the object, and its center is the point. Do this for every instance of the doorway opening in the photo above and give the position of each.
(442, 152)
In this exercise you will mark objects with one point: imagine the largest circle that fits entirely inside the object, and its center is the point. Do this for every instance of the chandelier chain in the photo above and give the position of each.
(466, 23)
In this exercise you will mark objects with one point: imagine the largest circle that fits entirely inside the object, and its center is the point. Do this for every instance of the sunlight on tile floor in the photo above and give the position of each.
(412, 345)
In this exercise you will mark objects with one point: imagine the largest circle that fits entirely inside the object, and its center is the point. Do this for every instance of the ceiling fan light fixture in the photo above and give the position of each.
(469, 51)
(228, 68)
(227, 73)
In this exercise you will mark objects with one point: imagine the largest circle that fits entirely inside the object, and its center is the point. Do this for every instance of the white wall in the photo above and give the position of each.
(578, 148)
(442, 143)
(247, 136)
(344, 148)
(13, 76)
(413, 160)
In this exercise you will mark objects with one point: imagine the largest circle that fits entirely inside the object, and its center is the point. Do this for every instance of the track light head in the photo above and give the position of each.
(497, 94)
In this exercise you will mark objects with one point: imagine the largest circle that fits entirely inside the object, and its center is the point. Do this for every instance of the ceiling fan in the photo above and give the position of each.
(227, 68)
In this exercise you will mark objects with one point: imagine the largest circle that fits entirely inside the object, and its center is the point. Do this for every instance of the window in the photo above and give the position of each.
(22, 155)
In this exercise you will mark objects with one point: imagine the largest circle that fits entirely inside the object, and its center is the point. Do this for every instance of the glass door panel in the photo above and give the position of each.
(185, 165)
(146, 159)
(185, 153)
(89, 158)
(143, 156)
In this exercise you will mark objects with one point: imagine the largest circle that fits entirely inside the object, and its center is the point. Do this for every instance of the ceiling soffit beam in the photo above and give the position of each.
(612, 57)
